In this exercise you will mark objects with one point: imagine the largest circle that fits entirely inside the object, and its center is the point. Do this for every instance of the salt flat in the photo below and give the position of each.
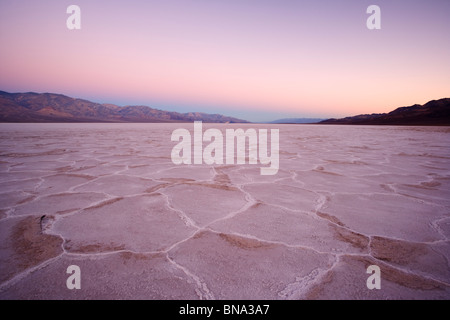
(107, 198)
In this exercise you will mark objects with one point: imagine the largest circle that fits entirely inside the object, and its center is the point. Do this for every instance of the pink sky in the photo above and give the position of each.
(252, 59)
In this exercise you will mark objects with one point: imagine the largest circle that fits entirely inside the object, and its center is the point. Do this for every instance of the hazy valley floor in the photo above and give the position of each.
(107, 198)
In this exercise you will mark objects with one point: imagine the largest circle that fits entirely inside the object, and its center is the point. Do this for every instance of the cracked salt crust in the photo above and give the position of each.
(107, 197)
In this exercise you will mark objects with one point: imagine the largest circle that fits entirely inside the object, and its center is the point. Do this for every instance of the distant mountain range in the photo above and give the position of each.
(435, 112)
(297, 120)
(51, 107)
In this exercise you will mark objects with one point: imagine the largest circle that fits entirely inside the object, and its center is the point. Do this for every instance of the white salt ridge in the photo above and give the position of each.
(141, 227)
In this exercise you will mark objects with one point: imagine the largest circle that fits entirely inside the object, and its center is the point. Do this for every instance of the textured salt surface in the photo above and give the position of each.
(107, 198)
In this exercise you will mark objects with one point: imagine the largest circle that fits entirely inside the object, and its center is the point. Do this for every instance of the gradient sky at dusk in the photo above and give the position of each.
(255, 59)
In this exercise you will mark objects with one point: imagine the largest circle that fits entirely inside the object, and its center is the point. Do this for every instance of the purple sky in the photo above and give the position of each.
(258, 60)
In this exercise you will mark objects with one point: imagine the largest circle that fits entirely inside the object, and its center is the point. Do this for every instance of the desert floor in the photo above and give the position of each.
(108, 199)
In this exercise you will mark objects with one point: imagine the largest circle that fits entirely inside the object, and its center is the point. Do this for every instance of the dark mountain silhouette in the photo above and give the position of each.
(433, 113)
(51, 107)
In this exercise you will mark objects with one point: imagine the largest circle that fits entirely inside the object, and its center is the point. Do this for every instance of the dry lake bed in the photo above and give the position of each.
(108, 199)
